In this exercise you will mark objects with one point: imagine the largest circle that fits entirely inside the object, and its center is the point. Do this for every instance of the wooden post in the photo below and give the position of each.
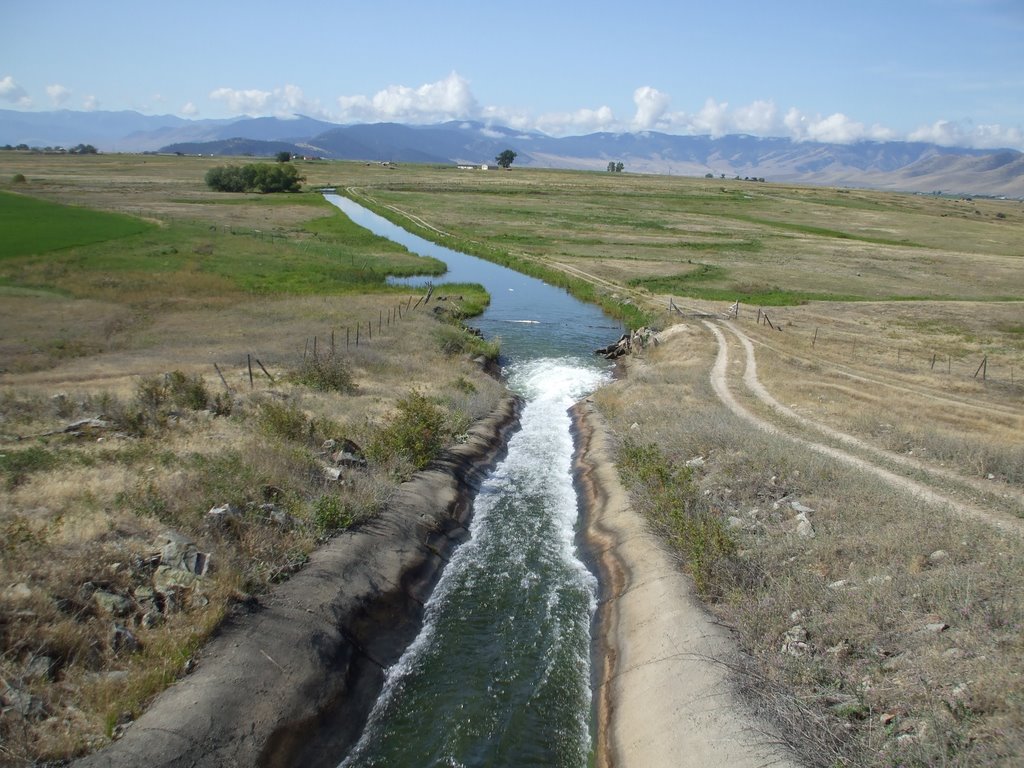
(982, 369)
(408, 304)
(314, 349)
(357, 334)
(347, 329)
(222, 379)
(380, 319)
(332, 342)
(417, 301)
(899, 353)
(949, 363)
(265, 371)
(369, 329)
(399, 310)
(305, 350)
(248, 360)
(758, 315)
(815, 339)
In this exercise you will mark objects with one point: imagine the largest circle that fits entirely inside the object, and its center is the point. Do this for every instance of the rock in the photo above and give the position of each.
(350, 455)
(151, 619)
(804, 527)
(18, 593)
(331, 473)
(800, 508)
(40, 668)
(794, 642)
(180, 553)
(936, 627)
(733, 522)
(886, 717)
(222, 514)
(634, 425)
(695, 463)
(796, 616)
(24, 703)
(111, 603)
(281, 519)
(122, 639)
(88, 425)
(840, 584)
(937, 557)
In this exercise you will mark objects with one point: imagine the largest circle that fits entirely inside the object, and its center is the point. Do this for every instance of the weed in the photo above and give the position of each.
(416, 433)
(670, 499)
(16, 466)
(325, 373)
(456, 340)
(285, 421)
(331, 514)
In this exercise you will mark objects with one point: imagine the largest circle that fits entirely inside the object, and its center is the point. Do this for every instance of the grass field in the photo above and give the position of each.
(885, 309)
(132, 295)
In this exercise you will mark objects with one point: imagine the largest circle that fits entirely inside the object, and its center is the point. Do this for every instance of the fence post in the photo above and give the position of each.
(347, 329)
(380, 319)
(222, 379)
(982, 369)
(357, 334)
(248, 360)
(815, 339)
(265, 370)
(933, 361)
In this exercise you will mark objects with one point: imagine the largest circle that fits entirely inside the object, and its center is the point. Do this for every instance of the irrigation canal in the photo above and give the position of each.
(500, 673)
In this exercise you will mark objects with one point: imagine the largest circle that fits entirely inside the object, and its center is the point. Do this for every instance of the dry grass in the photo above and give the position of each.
(83, 512)
(869, 678)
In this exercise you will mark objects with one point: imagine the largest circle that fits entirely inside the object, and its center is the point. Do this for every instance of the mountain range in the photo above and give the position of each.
(896, 165)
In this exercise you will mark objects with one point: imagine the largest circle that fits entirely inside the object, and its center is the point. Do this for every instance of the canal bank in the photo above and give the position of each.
(290, 680)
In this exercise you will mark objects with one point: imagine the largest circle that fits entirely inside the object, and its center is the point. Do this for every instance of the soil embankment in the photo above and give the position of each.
(293, 682)
(662, 692)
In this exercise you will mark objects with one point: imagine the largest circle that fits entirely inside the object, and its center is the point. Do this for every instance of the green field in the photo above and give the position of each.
(32, 226)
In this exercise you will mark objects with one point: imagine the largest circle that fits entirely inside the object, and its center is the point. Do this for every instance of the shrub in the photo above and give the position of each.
(19, 178)
(16, 466)
(284, 420)
(416, 433)
(331, 514)
(328, 373)
(187, 391)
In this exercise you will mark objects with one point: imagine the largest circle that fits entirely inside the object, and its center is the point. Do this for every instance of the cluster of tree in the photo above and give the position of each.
(505, 159)
(78, 149)
(255, 177)
(737, 178)
(614, 167)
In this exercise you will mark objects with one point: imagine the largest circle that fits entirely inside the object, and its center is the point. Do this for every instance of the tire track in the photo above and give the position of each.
(719, 374)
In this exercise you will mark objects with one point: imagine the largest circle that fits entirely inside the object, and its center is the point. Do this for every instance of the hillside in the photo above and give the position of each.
(893, 165)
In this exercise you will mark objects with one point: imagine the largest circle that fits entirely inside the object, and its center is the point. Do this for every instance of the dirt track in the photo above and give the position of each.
(874, 464)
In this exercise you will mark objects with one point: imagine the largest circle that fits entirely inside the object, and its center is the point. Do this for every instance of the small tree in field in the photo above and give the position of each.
(283, 157)
(506, 158)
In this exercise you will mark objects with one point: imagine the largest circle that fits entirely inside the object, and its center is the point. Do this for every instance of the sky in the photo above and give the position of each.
(945, 71)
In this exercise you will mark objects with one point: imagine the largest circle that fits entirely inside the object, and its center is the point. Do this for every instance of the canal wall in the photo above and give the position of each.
(292, 681)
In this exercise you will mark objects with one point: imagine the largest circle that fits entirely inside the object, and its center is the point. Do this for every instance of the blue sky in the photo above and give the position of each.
(950, 71)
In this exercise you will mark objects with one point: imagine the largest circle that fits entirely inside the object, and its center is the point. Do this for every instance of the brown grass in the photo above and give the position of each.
(874, 685)
(81, 512)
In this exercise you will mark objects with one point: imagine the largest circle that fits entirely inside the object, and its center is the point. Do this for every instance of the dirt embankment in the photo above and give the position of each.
(662, 689)
(293, 682)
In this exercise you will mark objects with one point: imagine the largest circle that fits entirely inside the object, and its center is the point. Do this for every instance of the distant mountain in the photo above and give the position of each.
(909, 166)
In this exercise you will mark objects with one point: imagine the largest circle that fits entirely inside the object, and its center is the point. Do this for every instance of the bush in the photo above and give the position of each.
(331, 514)
(255, 177)
(325, 374)
(285, 421)
(19, 178)
(416, 433)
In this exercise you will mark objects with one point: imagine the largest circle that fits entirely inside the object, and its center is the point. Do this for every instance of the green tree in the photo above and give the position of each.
(255, 177)
(611, 166)
(506, 158)
(283, 157)
(619, 166)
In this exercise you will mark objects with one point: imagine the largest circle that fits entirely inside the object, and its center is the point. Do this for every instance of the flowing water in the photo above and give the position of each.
(500, 673)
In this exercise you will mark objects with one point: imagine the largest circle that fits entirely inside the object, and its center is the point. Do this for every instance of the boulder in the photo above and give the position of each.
(111, 603)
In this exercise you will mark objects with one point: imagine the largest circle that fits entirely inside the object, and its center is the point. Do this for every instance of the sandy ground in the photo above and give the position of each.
(664, 696)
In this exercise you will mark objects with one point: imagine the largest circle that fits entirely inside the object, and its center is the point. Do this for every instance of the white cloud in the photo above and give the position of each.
(14, 93)
(952, 134)
(446, 99)
(90, 102)
(189, 109)
(282, 102)
(580, 121)
(58, 94)
(651, 106)
(758, 117)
